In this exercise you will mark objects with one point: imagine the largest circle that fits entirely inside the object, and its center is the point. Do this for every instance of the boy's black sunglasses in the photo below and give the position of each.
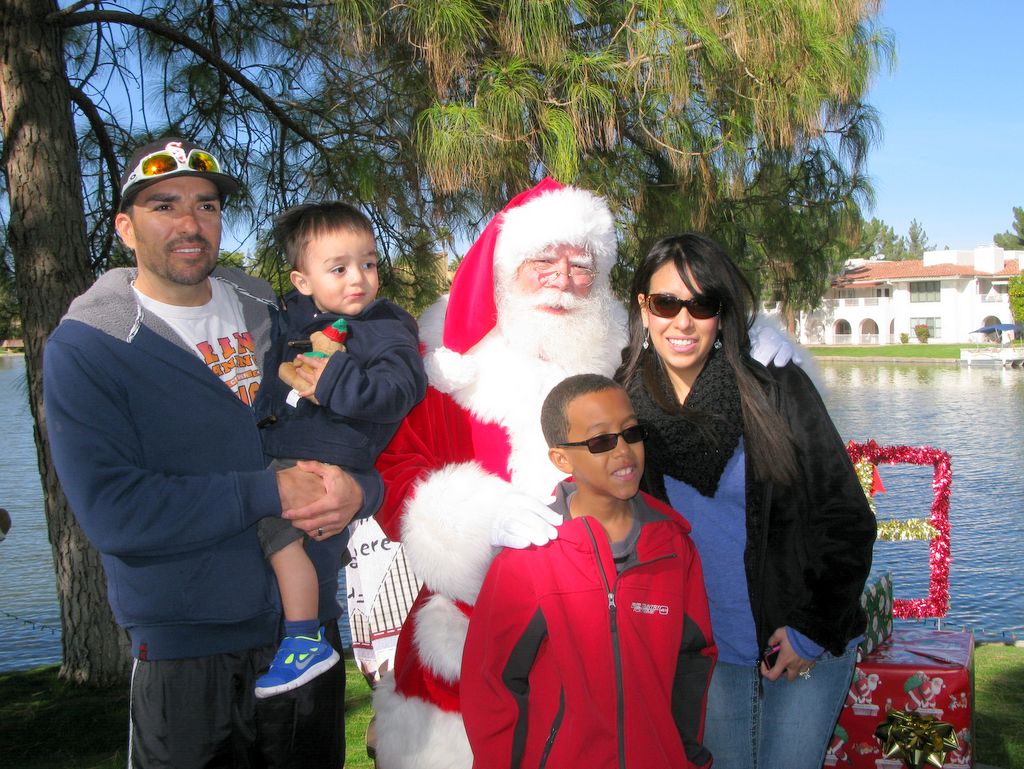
(700, 307)
(608, 441)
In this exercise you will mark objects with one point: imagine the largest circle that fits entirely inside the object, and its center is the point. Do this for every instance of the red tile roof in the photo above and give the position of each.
(914, 268)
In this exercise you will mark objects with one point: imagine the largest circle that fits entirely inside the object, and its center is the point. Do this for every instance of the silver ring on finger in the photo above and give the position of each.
(805, 674)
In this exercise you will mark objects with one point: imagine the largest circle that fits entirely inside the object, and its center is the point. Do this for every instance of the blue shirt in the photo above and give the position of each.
(720, 531)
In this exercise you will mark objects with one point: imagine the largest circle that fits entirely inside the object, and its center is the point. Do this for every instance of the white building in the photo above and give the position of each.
(952, 292)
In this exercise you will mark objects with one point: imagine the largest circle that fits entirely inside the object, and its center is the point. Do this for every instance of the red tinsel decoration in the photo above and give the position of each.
(937, 603)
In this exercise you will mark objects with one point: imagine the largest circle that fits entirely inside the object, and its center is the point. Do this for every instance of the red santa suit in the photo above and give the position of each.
(464, 458)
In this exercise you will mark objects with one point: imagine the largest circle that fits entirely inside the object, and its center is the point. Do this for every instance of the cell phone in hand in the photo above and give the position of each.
(770, 656)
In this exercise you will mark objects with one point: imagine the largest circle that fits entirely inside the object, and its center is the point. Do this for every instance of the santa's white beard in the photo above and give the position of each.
(577, 339)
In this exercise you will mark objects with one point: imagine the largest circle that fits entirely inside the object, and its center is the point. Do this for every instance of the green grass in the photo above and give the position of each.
(358, 711)
(935, 351)
(999, 705)
(45, 724)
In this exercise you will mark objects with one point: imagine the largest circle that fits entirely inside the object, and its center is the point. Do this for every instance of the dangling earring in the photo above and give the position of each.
(718, 344)
(647, 338)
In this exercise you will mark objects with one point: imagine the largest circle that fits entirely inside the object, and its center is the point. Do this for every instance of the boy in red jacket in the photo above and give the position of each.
(597, 646)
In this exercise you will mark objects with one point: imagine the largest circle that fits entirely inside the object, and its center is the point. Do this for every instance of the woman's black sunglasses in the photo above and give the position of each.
(608, 441)
(700, 307)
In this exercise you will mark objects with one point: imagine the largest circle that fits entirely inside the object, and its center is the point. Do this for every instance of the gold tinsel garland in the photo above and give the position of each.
(900, 531)
(866, 475)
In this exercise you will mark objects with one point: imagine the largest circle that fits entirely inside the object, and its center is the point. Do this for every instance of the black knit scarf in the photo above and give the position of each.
(693, 446)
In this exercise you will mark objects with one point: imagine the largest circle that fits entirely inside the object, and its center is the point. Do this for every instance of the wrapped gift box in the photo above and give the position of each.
(877, 603)
(930, 672)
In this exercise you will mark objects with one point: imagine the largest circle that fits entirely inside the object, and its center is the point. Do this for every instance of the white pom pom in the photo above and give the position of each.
(449, 371)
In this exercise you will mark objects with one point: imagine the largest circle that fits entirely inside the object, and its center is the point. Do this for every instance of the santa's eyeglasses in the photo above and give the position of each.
(546, 272)
(599, 444)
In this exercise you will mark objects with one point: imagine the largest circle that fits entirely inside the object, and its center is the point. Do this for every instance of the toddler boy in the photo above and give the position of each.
(596, 648)
(342, 408)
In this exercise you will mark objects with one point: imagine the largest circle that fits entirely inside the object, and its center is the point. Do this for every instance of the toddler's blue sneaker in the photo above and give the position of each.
(299, 659)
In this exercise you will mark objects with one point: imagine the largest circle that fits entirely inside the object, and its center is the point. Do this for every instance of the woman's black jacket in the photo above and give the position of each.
(809, 546)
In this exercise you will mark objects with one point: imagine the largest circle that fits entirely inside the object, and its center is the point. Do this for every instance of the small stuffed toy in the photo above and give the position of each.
(324, 343)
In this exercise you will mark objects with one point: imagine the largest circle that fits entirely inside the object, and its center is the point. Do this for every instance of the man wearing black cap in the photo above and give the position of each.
(148, 382)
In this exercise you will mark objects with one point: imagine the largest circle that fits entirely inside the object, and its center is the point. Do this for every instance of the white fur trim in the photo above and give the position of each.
(413, 734)
(510, 388)
(446, 529)
(569, 215)
(440, 635)
(431, 323)
(447, 370)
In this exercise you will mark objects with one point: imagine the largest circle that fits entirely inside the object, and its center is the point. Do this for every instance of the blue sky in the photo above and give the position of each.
(952, 149)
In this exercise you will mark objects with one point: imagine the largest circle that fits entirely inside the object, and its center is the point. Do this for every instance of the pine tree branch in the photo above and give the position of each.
(169, 33)
(99, 128)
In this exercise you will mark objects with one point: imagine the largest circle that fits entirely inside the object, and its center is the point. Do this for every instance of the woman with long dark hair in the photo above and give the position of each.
(749, 456)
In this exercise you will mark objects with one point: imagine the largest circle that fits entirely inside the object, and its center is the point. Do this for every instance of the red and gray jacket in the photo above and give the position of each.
(568, 662)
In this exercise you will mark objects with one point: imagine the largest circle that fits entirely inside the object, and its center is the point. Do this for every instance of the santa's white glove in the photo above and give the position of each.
(768, 345)
(523, 521)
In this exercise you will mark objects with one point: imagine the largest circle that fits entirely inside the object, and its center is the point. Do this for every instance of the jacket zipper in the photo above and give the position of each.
(555, 726)
(620, 708)
(762, 558)
(766, 506)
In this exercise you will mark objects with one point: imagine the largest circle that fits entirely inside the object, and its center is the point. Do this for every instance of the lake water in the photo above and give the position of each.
(29, 618)
(977, 415)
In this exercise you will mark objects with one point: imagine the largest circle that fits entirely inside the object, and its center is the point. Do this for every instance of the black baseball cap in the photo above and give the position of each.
(172, 156)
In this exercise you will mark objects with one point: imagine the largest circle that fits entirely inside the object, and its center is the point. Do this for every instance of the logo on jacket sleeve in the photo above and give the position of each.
(649, 608)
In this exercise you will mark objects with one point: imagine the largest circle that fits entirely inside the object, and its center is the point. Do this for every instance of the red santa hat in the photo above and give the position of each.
(548, 214)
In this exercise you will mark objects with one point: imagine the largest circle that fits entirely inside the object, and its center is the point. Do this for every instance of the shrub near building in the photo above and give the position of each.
(1016, 290)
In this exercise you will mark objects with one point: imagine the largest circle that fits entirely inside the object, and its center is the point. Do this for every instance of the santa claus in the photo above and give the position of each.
(468, 471)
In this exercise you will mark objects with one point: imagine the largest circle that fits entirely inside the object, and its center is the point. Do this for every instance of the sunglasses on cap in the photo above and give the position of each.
(608, 441)
(166, 161)
(700, 307)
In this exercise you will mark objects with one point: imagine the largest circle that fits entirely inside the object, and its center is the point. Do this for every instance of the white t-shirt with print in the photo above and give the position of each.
(217, 333)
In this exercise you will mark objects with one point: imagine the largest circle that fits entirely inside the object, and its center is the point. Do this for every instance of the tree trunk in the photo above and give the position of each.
(47, 236)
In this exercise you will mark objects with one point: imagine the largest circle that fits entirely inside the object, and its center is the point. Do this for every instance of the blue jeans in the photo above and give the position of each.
(754, 723)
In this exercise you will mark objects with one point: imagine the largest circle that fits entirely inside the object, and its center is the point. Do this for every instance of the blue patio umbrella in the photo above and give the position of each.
(998, 327)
